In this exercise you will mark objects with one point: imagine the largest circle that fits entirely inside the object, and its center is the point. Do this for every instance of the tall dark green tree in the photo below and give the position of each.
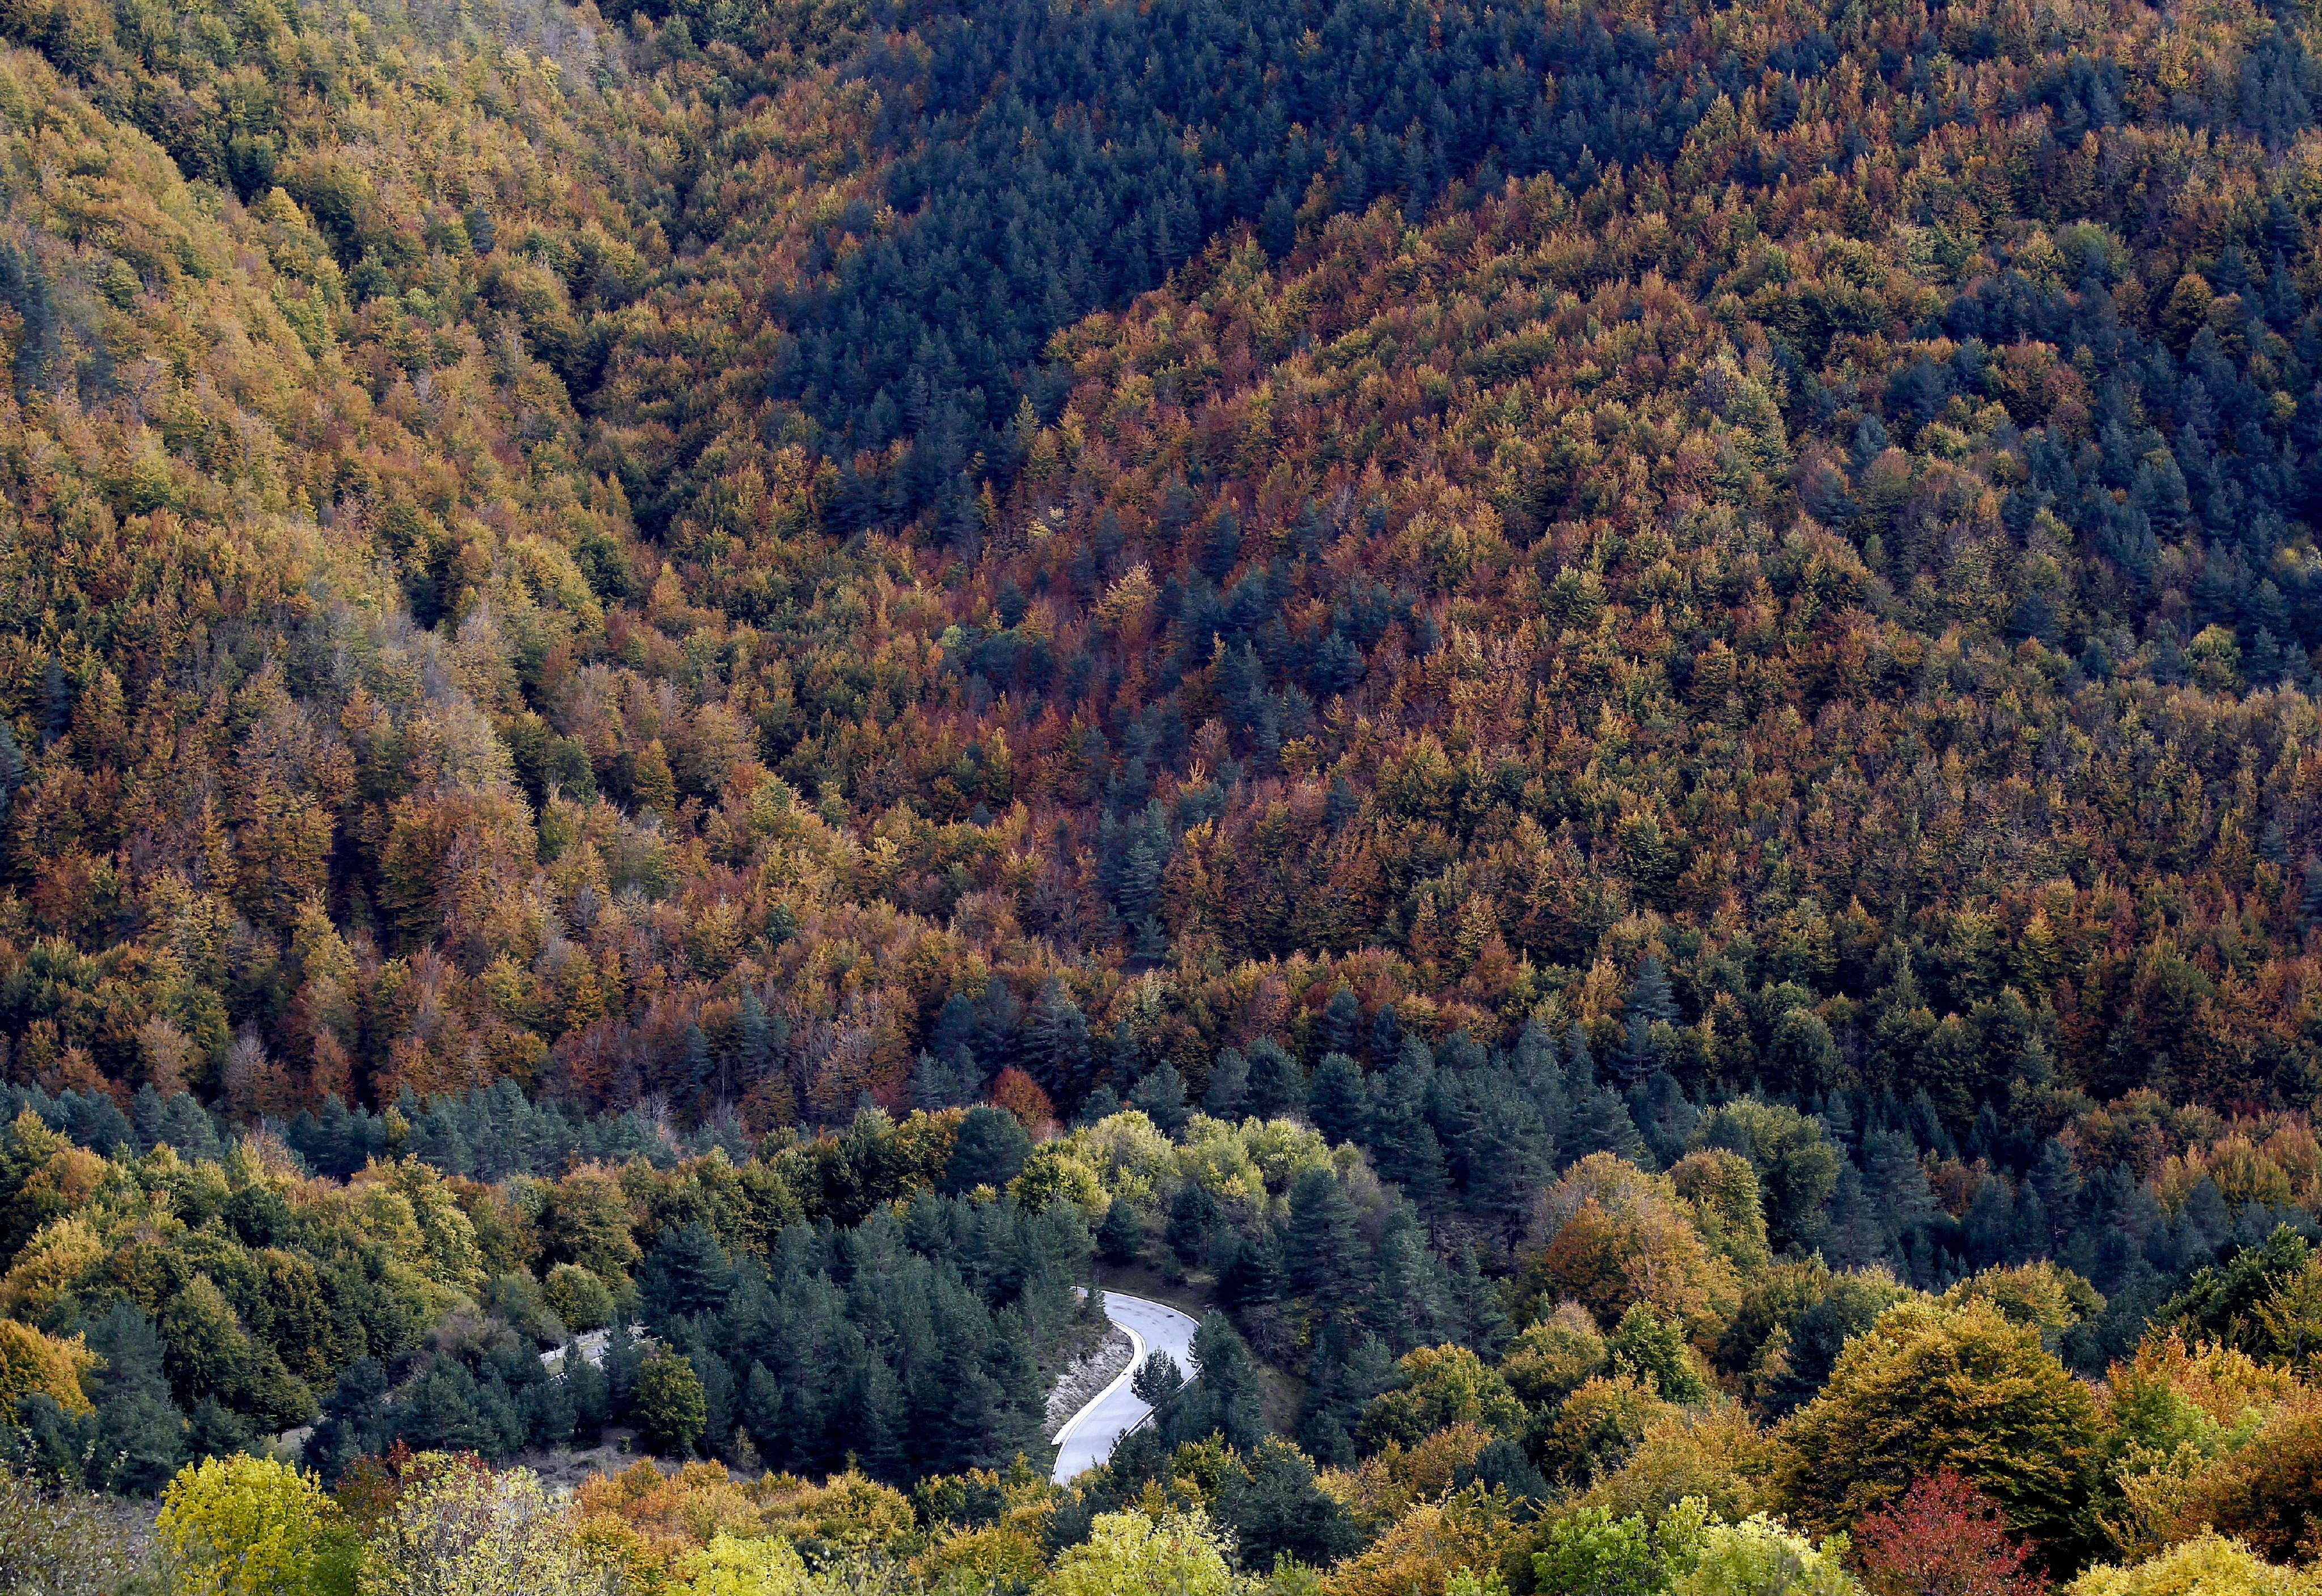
(990, 1149)
(686, 1272)
(1323, 1249)
(1335, 1099)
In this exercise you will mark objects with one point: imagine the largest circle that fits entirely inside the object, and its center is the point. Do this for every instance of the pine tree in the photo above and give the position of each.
(13, 769)
(989, 1149)
(1405, 1305)
(1894, 1184)
(1157, 1380)
(139, 1435)
(1664, 1117)
(697, 1066)
(1277, 1086)
(1387, 1035)
(1336, 1103)
(877, 1418)
(1229, 1086)
(1161, 1097)
(549, 1412)
(1350, 1368)
(1579, 1064)
(1193, 1219)
(1601, 1122)
(1057, 1041)
(1324, 1247)
(1649, 993)
(1250, 1276)
(954, 1031)
(1341, 1023)
(936, 1085)
(1856, 1239)
(1022, 1408)
(1474, 1300)
(764, 1415)
(1121, 1240)
(186, 1127)
(1270, 1499)
(1232, 1403)
(686, 1272)
(443, 1410)
(754, 1041)
(623, 1357)
(1395, 1129)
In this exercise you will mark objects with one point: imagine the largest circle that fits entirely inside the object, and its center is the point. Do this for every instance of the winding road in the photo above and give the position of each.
(1090, 1434)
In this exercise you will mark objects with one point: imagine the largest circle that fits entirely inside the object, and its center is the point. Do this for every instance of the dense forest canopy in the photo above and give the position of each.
(1599, 718)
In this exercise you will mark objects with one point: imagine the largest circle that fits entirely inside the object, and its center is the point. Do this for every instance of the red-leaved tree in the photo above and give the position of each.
(1943, 1538)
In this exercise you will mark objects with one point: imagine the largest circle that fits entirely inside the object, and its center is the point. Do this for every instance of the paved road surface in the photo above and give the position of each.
(1088, 1436)
(592, 1346)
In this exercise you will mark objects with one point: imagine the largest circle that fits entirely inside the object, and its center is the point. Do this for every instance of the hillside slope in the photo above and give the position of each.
(701, 559)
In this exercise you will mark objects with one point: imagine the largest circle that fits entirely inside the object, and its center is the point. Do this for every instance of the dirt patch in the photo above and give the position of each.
(1087, 1376)
(564, 1468)
(1188, 1294)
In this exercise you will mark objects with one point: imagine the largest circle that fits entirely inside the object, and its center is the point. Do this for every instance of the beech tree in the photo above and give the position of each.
(1929, 1388)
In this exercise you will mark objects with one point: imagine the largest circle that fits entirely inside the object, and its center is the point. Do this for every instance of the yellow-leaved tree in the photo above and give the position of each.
(251, 1527)
(1934, 1386)
(731, 1566)
(2207, 1565)
(1177, 1553)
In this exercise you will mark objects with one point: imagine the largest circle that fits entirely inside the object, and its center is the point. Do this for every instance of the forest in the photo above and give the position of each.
(1596, 720)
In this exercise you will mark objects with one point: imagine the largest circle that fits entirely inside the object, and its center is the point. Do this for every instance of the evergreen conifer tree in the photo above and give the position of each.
(1228, 1087)
(1341, 1023)
(1277, 1086)
(1161, 1097)
(686, 1272)
(1121, 1240)
(989, 1149)
(1336, 1102)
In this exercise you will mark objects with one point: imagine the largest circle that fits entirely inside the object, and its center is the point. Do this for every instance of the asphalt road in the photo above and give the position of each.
(1088, 1436)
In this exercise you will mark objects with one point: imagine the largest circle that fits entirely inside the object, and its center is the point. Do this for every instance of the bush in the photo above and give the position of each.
(2206, 1565)
(56, 1543)
(467, 1530)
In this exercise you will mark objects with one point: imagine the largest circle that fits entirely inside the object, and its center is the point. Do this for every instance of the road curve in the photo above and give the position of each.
(1090, 1434)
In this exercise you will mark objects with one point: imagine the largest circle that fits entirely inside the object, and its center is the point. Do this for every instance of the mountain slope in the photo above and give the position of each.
(700, 560)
